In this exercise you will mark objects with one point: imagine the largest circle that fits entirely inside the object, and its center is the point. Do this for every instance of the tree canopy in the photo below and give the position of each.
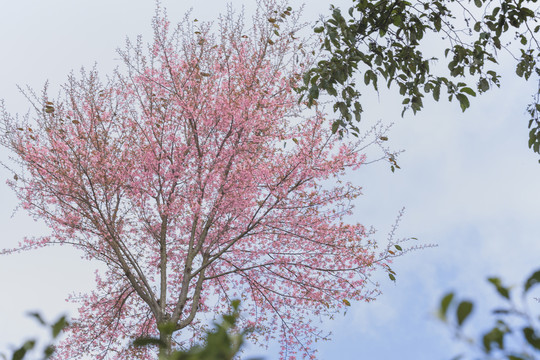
(386, 41)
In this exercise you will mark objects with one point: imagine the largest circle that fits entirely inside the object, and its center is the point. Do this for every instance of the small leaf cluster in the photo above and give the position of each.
(30, 345)
(391, 273)
(222, 343)
(280, 16)
(515, 334)
(383, 41)
(534, 123)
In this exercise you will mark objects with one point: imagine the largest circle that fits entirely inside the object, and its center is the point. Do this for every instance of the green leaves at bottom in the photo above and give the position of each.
(148, 341)
(21, 352)
(495, 336)
(464, 309)
(531, 337)
(532, 281)
(445, 303)
(503, 291)
(58, 326)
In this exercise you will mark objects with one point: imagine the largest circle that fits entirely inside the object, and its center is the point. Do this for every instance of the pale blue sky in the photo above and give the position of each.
(468, 182)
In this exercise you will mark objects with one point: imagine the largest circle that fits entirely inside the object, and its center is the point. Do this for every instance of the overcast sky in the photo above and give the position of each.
(468, 182)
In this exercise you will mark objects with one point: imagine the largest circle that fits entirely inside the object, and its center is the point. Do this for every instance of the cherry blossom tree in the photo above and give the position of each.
(196, 177)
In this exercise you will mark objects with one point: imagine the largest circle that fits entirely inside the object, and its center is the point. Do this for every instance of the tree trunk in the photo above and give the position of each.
(166, 346)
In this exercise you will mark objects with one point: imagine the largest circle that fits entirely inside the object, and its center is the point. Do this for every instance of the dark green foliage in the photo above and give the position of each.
(223, 343)
(29, 345)
(445, 302)
(383, 41)
(515, 334)
(503, 291)
(464, 309)
(531, 281)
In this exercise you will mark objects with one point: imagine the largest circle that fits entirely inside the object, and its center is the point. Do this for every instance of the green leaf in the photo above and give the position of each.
(59, 326)
(346, 302)
(343, 108)
(306, 77)
(463, 101)
(367, 77)
(532, 281)
(478, 3)
(483, 85)
(335, 127)
(397, 21)
(331, 90)
(391, 276)
(520, 69)
(494, 336)
(437, 92)
(228, 320)
(468, 90)
(49, 350)
(531, 337)
(357, 110)
(21, 352)
(398, 247)
(36, 315)
(314, 92)
(497, 42)
(503, 291)
(445, 303)
(464, 309)
(146, 341)
(318, 29)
